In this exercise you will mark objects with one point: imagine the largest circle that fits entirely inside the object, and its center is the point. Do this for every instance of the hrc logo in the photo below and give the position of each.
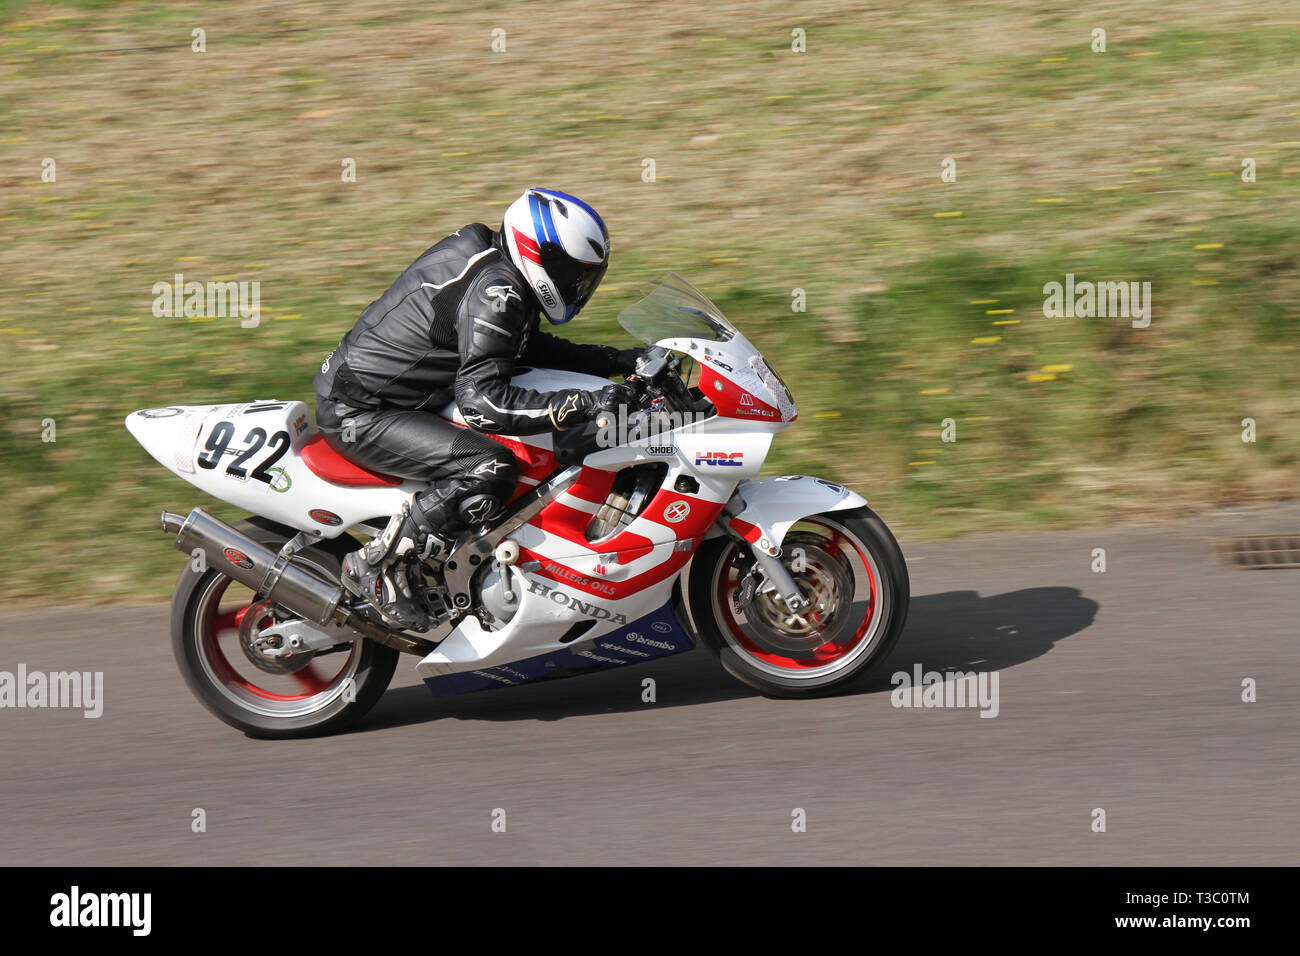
(735, 458)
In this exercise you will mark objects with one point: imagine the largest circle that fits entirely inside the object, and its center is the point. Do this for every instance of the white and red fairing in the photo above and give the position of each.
(616, 581)
(623, 581)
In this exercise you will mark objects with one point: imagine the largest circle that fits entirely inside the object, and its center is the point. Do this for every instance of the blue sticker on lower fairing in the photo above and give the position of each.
(658, 634)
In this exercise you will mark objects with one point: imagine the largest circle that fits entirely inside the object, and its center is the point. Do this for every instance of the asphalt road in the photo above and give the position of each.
(1118, 690)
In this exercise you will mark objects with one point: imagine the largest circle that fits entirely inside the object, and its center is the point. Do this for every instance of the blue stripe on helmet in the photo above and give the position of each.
(581, 205)
(535, 207)
(548, 219)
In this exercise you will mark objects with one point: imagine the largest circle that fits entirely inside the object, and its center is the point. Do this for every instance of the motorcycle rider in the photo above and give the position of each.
(454, 325)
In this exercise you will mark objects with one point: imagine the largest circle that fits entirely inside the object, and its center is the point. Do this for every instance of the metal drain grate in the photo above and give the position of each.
(1262, 551)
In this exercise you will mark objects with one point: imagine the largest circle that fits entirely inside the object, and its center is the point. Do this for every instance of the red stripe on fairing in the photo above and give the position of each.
(570, 524)
(532, 462)
(702, 515)
(627, 545)
(563, 522)
(612, 590)
(592, 485)
(728, 399)
(561, 573)
(527, 248)
(750, 532)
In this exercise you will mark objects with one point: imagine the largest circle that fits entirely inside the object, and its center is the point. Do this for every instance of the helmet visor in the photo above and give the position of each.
(575, 280)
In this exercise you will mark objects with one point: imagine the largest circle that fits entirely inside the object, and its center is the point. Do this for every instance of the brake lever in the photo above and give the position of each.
(643, 415)
(641, 390)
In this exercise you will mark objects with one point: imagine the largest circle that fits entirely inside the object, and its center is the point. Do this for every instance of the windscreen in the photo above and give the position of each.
(675, 309)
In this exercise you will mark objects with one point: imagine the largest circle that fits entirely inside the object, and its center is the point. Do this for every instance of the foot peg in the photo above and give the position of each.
(387, 591)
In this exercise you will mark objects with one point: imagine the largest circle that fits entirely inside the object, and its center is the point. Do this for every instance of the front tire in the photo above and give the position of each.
(320, 695)
(850, 568)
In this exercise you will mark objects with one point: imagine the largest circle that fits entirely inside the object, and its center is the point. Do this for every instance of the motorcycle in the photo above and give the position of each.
(631, 538)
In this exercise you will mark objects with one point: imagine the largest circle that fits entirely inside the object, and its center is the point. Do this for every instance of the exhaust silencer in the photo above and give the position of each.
(257, 566)
(272, 576)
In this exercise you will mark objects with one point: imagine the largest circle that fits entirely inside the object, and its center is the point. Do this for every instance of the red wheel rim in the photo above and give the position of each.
(217, 622)
(824, 655)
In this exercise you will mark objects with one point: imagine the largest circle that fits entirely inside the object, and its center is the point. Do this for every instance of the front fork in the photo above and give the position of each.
(767, 555)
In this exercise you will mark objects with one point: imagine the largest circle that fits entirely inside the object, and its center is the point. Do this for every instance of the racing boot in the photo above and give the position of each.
(378, 573)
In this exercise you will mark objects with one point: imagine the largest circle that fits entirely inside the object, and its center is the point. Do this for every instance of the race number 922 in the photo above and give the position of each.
(218, 444)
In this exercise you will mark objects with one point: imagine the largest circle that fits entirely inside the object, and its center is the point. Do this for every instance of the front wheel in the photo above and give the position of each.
(216, 622)
(851, 571)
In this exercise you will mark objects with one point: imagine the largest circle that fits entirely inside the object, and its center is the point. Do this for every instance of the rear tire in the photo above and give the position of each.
(849, 567)
(302, 702)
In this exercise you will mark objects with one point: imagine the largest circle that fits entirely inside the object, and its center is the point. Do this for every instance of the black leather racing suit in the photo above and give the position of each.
(453, 325)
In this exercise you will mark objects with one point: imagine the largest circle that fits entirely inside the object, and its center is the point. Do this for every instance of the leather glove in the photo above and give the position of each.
(626, 360)
(612, 397)
(576, 408)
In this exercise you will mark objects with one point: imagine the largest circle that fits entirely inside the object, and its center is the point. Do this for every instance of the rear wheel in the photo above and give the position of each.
(848, 567)
(216, 623)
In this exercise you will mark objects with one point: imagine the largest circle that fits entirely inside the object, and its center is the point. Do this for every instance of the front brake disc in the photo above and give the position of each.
(824, 579)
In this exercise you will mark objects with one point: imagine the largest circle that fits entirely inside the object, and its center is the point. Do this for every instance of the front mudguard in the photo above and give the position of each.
(762, 510)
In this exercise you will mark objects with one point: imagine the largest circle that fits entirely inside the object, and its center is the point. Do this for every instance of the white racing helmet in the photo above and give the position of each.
(561, 246)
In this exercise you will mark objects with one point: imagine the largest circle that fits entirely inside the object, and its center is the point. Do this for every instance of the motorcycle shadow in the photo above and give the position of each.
(961, 631)
(952, 630)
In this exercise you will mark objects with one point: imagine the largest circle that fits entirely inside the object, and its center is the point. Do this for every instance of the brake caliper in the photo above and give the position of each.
(747, 590)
